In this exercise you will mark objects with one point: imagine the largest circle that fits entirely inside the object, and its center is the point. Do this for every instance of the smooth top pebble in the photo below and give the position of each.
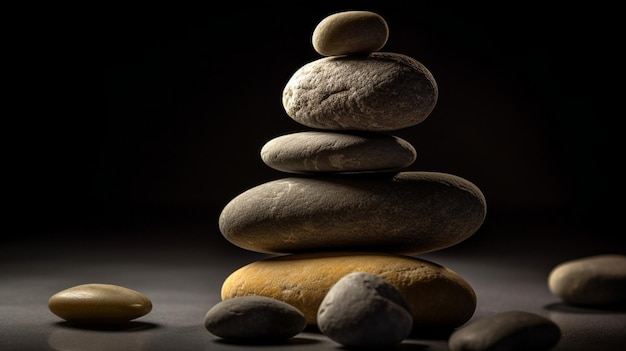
(319, 151)
(592, 281)
(99, 304)
(364, 309)
(350, 32)
(254, 318)
(511, 330)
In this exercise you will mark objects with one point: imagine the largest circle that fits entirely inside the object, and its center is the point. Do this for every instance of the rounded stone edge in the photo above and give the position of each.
(335, 34)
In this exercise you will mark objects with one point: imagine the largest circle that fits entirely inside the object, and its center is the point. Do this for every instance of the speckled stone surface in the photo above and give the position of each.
(438, 297)
(405, 212)
(363, 310)
(381, 92)
(592, 281)
(321, 151)
(254, 318)
(350, 32)
(510, 330)
(99, 304)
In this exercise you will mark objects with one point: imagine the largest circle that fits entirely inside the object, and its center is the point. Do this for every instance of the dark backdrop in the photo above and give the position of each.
(124, 115)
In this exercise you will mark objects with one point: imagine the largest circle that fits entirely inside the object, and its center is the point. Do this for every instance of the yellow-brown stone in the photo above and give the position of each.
(438, 297)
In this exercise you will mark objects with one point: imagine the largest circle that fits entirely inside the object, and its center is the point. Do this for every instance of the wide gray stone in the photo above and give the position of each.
(381, 92)
(404, 212)
(506, 331)
(592, 281)
(364, 309)
(254, 318)
(350, 32)
(318, 151)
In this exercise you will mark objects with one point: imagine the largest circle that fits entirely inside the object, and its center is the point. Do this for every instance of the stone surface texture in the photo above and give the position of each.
(381, 92)
(254, 318)
(593, 281)
(363, 309)
(350, 32)
(405, 212)
(320, 151)
(437, 296)
(99, 304)
(510, 330)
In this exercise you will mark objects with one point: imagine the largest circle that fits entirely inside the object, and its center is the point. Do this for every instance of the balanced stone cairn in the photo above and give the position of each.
(348, 206)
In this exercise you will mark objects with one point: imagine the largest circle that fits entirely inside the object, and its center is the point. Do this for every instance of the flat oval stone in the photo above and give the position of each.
(99, 304)
(593, 281)
(350, 32)
(254, 318)
(319, 151)
(364, 309)
(437, 296)
(381, 92)
(404, 212)
(511, 330)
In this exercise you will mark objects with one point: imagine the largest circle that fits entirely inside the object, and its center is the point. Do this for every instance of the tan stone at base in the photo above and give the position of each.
(438, 296)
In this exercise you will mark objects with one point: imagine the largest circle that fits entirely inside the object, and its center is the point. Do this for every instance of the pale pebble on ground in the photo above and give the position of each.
(591, 281)
(97, 303)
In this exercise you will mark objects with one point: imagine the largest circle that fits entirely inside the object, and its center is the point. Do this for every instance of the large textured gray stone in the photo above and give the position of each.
(319, 151)
(364, 309)
(404, 212)
(254, 318)
(506, 331)
(592, 281)
(381, 92)
(350, 32)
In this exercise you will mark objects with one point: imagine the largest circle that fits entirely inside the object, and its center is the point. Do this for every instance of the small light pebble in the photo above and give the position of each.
(592, 281)
(254, 318)
(511, 330)
(99, 304)
(363, 309)
(350, 32)
(322, 151)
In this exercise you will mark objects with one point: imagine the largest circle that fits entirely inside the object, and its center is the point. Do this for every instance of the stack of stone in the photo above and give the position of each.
(348, 206)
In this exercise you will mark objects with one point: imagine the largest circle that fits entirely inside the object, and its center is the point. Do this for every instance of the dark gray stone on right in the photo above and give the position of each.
(506, 331)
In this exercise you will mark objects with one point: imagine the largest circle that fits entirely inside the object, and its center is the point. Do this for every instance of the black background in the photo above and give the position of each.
(122, 116)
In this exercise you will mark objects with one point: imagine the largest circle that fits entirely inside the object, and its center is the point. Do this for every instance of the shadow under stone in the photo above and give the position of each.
(568, 308)
(131, 326)
(268, 343)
